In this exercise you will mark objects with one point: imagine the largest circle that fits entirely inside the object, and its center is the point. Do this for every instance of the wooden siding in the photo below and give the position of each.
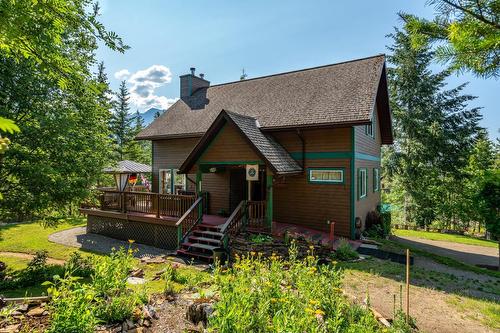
(217, 184)
(229, 146)
(299, 202)
(365, 143)
(316, 140)
(372, 199)
(169, 154)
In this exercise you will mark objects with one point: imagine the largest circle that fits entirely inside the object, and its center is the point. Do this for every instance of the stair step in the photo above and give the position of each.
(208, 226)
(194, 254)
(209, 233)
(194, 239)
(199, 246)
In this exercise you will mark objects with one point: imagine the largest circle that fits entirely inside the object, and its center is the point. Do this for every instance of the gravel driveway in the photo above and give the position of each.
(78, 237)
(469, 254)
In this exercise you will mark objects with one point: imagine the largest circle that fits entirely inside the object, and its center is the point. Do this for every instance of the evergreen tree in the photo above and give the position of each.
(121, 122)
(434, 131)
(139, 151)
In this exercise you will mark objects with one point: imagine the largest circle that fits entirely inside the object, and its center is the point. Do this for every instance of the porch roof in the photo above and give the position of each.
(127, 166)
(271, 152)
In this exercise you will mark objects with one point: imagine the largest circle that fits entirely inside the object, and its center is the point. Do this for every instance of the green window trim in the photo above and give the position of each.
(329, 182)
(172, 184)
(362, 186)
(376, 179)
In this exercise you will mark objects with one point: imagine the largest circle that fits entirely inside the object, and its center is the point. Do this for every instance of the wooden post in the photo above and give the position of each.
(407, 285)
(269, 199)
(157, 199)
(249, 190)
(124, 202)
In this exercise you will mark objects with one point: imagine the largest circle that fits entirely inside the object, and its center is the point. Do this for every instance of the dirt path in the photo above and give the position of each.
(469, 254)
(434, 310)
(27, 256)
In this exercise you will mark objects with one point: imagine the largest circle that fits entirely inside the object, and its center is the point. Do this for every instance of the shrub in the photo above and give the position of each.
(345, 252)
(260, 239)
(78, 307)
(378, 224)
(78, 265)
(275, 295)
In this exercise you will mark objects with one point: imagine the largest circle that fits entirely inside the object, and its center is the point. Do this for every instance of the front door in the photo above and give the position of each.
(237, 187)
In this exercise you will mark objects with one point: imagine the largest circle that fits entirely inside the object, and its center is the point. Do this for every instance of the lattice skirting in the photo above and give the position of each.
(162, 236)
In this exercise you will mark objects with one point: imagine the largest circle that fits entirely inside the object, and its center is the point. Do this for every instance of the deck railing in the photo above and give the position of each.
(236, 221)
(256, 214)
(146, 202)
(189, 219)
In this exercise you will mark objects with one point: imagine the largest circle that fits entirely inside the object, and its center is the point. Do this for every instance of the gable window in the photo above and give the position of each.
(171, 182)
(376, 180)
(362, 182)
(326, 175)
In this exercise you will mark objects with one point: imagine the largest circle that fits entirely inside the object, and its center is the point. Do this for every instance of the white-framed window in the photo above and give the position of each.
(362, 182)
(165, 181)
(326, 175)
(376, 179)
(179, 181)
(171, 182)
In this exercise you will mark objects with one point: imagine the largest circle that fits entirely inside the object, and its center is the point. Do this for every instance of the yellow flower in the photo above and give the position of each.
(131, 241)
(252, 253)
(311, 247)
(319, 312)
(309, 310)
(313, 302)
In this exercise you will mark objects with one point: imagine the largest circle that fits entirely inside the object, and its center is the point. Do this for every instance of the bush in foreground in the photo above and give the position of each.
(275, 295)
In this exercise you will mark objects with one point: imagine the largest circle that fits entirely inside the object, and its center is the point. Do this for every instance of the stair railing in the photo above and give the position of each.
(189, 220)
(235, 222)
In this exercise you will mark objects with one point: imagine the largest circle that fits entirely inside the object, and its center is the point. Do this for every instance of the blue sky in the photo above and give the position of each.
(220, 38)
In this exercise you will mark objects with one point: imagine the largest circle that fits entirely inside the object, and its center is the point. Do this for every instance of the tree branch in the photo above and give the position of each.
(480, 17)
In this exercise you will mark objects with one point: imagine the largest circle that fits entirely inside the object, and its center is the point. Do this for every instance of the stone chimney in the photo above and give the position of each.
(190, 83)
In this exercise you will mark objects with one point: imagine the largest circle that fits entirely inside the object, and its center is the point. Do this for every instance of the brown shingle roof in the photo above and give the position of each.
(277, 158)
(342, 93)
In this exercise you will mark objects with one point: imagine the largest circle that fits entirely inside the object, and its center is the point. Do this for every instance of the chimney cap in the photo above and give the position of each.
(192, 69)
(202, 75)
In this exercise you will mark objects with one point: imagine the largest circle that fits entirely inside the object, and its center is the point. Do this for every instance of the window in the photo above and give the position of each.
(376, 180)
(326, 175)
(362, 180)
(165, 181)
(171, 182)
(179, 182)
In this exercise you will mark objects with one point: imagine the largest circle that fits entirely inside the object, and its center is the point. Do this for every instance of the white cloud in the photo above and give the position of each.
(143, 84)
(122, 74)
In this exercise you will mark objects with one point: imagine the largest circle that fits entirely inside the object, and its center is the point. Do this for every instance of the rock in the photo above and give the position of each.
(36, 312)
(116, 329)
(199, 312)
(149, 312)
(10, 328)
(153, 260)
(130, 324)
(146, 322)
(138, 273)
(124, 326)
(16, 313)
(23, 307)
(45, 313)
(136, 330)
(136, 280)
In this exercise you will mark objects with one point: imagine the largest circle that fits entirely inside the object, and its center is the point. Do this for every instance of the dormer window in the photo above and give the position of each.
(370, 129)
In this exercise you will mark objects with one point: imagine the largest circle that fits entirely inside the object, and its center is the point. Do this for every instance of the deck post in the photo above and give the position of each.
(269, 199)
(199, 178)
(157, 201)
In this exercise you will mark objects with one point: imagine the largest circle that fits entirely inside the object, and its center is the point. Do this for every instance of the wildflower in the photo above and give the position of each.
(309, 310)
(313, 302)
(252, 253)
(319, 312)
(311, 247)
(131, 241)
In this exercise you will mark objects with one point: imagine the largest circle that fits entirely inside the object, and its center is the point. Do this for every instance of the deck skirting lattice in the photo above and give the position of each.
(162, 236)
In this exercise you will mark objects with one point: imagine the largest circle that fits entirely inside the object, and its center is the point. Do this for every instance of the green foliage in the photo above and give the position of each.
(79, 265)
(260, 239)
(434, 135)
(345, 252)
(78, 307)
(467, 34)
(489, 199)
(51, 35)
(63, 146)
(276, 295)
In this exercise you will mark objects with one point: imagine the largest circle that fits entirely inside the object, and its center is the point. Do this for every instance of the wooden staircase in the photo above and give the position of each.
(202, 241)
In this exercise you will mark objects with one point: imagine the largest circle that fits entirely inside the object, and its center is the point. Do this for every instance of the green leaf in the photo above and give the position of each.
(7, 125)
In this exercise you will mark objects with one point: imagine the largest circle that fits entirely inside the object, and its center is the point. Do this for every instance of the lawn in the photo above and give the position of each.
(445, 237)
(32, 237)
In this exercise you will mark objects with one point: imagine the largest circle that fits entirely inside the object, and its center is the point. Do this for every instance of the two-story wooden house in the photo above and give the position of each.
(300, 147)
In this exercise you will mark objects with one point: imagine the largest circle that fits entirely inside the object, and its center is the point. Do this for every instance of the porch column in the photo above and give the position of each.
(269, 199)
(199, 178)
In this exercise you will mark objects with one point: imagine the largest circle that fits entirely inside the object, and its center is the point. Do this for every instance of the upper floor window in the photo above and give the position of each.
(326, 175)
(369, 130)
